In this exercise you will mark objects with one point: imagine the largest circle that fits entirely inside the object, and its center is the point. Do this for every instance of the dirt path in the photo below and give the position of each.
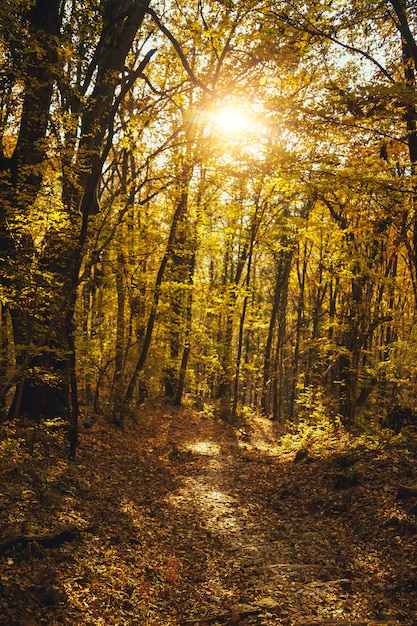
(268, 551)
(185, 520)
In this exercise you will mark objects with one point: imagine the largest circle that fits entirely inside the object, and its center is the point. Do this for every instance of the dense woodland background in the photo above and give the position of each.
(145, 246)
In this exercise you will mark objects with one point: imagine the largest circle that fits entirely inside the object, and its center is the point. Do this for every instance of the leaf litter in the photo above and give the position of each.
(183, 519)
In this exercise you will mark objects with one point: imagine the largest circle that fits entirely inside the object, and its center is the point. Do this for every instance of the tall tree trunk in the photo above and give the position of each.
(225, 387)
(180, 270)
(254, 230)
(123, 405)
(300, 318)
(116, 388)
(272, 381)
(20, 182)
(409, 57)
(187, 336)
(278, 374)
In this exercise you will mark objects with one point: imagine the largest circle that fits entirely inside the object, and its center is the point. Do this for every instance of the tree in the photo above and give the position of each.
(170, 250)
(89, 98)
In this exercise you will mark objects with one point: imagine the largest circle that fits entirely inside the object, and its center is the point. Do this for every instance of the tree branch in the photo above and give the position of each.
(179, 51)
(312, 29)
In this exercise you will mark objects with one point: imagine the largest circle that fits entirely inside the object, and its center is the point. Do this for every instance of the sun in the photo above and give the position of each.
(231, 120)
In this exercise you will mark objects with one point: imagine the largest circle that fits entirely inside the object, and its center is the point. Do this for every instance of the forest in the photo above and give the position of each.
(208, 223)
(215, 200)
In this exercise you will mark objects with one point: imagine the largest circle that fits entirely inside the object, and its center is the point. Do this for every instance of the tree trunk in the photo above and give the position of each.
(279, 396)
(187, 334)
(300, 317)
(180, 277)
(21, 179)
(116, 388)
(254, 230)
(409, 57)
(272, 374)
(140, 363)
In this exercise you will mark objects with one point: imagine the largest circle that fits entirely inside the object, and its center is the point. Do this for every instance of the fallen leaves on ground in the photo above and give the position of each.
(184, 519)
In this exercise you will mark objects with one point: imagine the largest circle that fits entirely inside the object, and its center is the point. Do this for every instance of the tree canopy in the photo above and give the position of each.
(212, 201)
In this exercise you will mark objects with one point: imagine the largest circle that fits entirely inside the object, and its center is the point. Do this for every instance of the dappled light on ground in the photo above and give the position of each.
(261, 435)
(130, 509)
(216, 508)
(208, 448)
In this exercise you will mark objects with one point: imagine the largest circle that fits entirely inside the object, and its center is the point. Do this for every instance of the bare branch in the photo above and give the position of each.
(179, 51)
(312, 29)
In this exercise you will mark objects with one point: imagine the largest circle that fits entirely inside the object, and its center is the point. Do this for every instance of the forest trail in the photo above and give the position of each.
(186, 520)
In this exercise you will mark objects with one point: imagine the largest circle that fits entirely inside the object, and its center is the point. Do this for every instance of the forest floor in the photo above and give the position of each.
(180, 519)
